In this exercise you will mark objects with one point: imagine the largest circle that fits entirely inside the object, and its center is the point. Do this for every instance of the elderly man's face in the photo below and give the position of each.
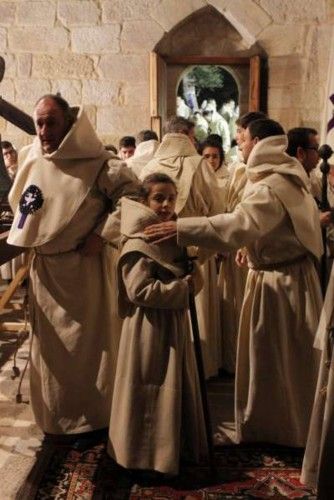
(51, 124)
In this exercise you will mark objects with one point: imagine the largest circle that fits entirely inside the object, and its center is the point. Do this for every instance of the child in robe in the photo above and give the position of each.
(156, 409)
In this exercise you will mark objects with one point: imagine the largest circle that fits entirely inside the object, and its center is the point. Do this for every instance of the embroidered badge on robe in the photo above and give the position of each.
(30, 201)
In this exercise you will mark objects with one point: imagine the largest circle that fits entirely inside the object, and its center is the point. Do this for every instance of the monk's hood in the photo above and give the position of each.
(177, 157)
(269, 164)
(49, 188)
(134, 219)
(269, 157)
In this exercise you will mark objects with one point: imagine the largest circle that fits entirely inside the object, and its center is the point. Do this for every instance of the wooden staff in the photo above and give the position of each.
(325, 152)
(189, 263)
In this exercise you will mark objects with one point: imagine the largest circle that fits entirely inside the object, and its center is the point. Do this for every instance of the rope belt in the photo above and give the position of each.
(279, 265)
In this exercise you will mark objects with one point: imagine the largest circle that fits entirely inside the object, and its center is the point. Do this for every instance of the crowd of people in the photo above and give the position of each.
(109, 286)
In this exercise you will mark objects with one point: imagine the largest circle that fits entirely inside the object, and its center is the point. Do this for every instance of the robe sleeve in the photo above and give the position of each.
(143, 289)
(257, 215)
(115, 180)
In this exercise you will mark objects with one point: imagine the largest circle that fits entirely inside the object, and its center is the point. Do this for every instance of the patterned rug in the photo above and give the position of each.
(81, 470)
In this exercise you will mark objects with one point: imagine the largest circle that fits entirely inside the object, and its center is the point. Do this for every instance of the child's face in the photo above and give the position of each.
(162, 199)
(212, 156)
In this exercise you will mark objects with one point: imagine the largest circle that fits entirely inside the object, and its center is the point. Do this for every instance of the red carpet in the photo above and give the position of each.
(81, 470)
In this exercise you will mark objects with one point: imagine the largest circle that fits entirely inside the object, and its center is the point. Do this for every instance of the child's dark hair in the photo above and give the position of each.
(156, 178)
(213, 142)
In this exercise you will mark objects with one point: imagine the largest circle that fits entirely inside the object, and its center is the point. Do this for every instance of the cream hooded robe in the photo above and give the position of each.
(144, 153)
(278, 222)
(156, 407)
(74, 344)
(199, 193)
(317, 470)
(232, 278)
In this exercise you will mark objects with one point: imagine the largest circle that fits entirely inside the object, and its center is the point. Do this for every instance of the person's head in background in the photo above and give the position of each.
(242, 123)
(180, 125)
(258, 130)
(146, 135)
(9, 154)
(127, 147)
(303, 144)
(158, 192)
(212, 151)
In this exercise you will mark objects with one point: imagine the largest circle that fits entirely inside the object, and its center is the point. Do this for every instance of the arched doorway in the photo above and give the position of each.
(204, 38)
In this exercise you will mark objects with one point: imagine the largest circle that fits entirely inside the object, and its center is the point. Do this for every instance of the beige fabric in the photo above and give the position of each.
(280, 311)
(319, 457)
(143, 154)
(72, 168)
(232, 278)
(199, 193)
(156, 411)
(75, 334)
(297, 200)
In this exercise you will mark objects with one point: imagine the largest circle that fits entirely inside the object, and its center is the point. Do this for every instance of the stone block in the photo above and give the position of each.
(78, 13)
(98, 39)
(124, 68)
(29, 90)
(35, 13)
(10, 64)
(279, 41)
(286, 70)
(7, 13)
(169, 13)
(287, 117)
(136, 94)
(118, 10)
(118, 121)
(140, 36)
(71, 90)
(91, 113)
(296, 11)
(99, 92)
(3, 126)
(65, 65)
(3, 39)
(42, 40)
(24, 65)
(245, 16)
(284, 97)
(7, 90)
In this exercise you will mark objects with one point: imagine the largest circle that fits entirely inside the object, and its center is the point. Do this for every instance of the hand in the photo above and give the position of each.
(160, 232)
(325, 218)
(190, 281)
(241, 259)
(92, 245)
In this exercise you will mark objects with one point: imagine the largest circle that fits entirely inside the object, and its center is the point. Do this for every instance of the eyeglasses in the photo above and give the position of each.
(315, 148)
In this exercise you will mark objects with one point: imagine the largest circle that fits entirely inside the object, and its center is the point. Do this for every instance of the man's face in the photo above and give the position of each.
(51, 124)
(239, 136)
(309, 156)
(247, 144)
(9, 156)
(126, 152)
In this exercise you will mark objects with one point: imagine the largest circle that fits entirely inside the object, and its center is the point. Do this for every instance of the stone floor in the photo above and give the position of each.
(19, 436)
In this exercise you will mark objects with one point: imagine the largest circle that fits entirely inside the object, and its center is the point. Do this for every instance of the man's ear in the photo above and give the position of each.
(300, 154)
(256, 140)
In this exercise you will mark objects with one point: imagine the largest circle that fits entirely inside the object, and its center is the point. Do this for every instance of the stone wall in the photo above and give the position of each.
(96, 53)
